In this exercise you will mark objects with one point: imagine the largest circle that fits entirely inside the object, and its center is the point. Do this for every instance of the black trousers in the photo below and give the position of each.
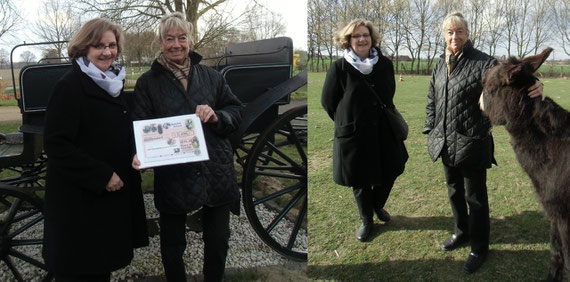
(216, 234)
(468, 188)
(368, 197)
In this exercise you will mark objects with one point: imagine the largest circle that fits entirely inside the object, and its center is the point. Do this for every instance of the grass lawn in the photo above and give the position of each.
(407, 248)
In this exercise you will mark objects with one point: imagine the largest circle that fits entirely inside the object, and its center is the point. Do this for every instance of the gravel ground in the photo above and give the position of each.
(247, 251)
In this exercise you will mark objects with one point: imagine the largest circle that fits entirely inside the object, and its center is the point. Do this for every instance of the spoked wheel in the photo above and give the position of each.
(275, 184)
(21, 236)
(30, 176)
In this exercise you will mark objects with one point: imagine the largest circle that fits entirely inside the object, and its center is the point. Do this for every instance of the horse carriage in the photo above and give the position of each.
(269, 148)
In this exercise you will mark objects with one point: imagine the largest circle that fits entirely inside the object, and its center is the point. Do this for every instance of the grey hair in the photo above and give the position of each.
(175, 20)
(457, 19)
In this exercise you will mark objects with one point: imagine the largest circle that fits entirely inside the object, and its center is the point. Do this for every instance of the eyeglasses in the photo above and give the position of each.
(358, 36)
(101, 47)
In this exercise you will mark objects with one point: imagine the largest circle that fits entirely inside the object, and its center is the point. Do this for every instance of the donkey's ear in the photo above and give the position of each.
(536, 61)
(513, 71)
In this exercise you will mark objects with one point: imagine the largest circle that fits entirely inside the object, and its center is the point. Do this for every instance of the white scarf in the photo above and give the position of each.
(110, 80)
(364, 66)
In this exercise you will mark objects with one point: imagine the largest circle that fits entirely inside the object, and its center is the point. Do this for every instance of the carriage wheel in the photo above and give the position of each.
(31, 176)
(275, 184)
(21, 236)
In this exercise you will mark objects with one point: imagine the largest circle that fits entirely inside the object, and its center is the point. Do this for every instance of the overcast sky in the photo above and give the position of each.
(294, 12)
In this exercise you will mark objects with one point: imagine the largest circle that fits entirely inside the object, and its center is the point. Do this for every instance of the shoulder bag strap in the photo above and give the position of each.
(374, 93)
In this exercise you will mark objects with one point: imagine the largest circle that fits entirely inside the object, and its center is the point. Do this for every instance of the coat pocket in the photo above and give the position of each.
(346, 130)
(473, 152)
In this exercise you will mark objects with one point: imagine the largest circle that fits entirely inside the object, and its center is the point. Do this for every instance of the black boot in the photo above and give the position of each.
(381, 194)
(382, 214)
(365, 209)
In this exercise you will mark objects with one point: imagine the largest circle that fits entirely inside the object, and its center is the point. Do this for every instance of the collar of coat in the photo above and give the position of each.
(92, 89)
(346, 66)
(467, 48)
(195, 59)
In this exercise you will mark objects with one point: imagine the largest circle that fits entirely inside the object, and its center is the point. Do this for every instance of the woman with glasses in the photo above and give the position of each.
(177, 84)
(366, 155)
(94, 210)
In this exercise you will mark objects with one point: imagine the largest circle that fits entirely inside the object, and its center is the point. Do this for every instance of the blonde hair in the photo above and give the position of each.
(457, 19)
(342, 35)
(175, 20)
(90, 34)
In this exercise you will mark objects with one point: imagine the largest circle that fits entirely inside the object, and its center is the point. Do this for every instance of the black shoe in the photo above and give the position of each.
(382, 214)
(474, 262)
(454, 242)
(364, 232)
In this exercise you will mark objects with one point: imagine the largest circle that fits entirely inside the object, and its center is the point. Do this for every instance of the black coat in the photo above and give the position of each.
(186, 187)
(458, 130)
(88, 136)
(365, 151)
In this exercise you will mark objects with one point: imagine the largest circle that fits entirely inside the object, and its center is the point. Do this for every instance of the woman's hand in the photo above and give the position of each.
(206, 114)
(536, 90)
(136, 163)
(115, 183)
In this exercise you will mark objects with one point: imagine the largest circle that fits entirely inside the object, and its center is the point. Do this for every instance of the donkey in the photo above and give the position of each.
(540, 137)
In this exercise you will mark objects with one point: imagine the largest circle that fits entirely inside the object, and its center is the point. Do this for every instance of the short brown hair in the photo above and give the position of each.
(90, 34)
(342, 35)
(175, 20)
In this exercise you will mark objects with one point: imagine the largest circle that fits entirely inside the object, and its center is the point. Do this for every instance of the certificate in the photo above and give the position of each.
(171, 140)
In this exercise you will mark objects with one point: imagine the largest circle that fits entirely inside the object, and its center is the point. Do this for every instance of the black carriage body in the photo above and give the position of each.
(252, 68)
(36, 84)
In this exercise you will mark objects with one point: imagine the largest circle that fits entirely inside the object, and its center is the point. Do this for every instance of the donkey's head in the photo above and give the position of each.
(505, 87)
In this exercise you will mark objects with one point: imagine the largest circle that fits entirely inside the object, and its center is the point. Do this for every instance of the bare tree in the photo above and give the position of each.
(56, 22)
(28, 57)
(419, 16)
(511, 21)
(523, 32)
(312, 29)
(260, 23)
(494, 19)
(139, 46)
(562, 23)
(4, 55)
(50, 55)
(476, 12)
(396, 32)
(323, 19)
(541, 25)
(146, 13)
(8, 17)
(380, 18)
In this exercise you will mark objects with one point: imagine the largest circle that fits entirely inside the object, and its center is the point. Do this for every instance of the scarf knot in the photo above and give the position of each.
(181, 72)
(364, 66)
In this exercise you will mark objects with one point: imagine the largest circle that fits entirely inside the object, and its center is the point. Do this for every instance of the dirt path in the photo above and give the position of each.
(10, 114)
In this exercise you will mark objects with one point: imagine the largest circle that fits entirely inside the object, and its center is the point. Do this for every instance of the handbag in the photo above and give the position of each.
(395, 119)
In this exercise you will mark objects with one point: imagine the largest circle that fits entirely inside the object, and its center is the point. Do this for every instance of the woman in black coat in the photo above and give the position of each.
(177, 84)
(94, 210)
(366, 155)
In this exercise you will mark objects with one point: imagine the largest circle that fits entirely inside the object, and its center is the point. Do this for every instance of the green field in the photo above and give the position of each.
(407, 248)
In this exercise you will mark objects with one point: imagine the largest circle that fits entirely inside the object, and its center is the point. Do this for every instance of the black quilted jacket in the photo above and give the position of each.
(458, 131)
(187, 187)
